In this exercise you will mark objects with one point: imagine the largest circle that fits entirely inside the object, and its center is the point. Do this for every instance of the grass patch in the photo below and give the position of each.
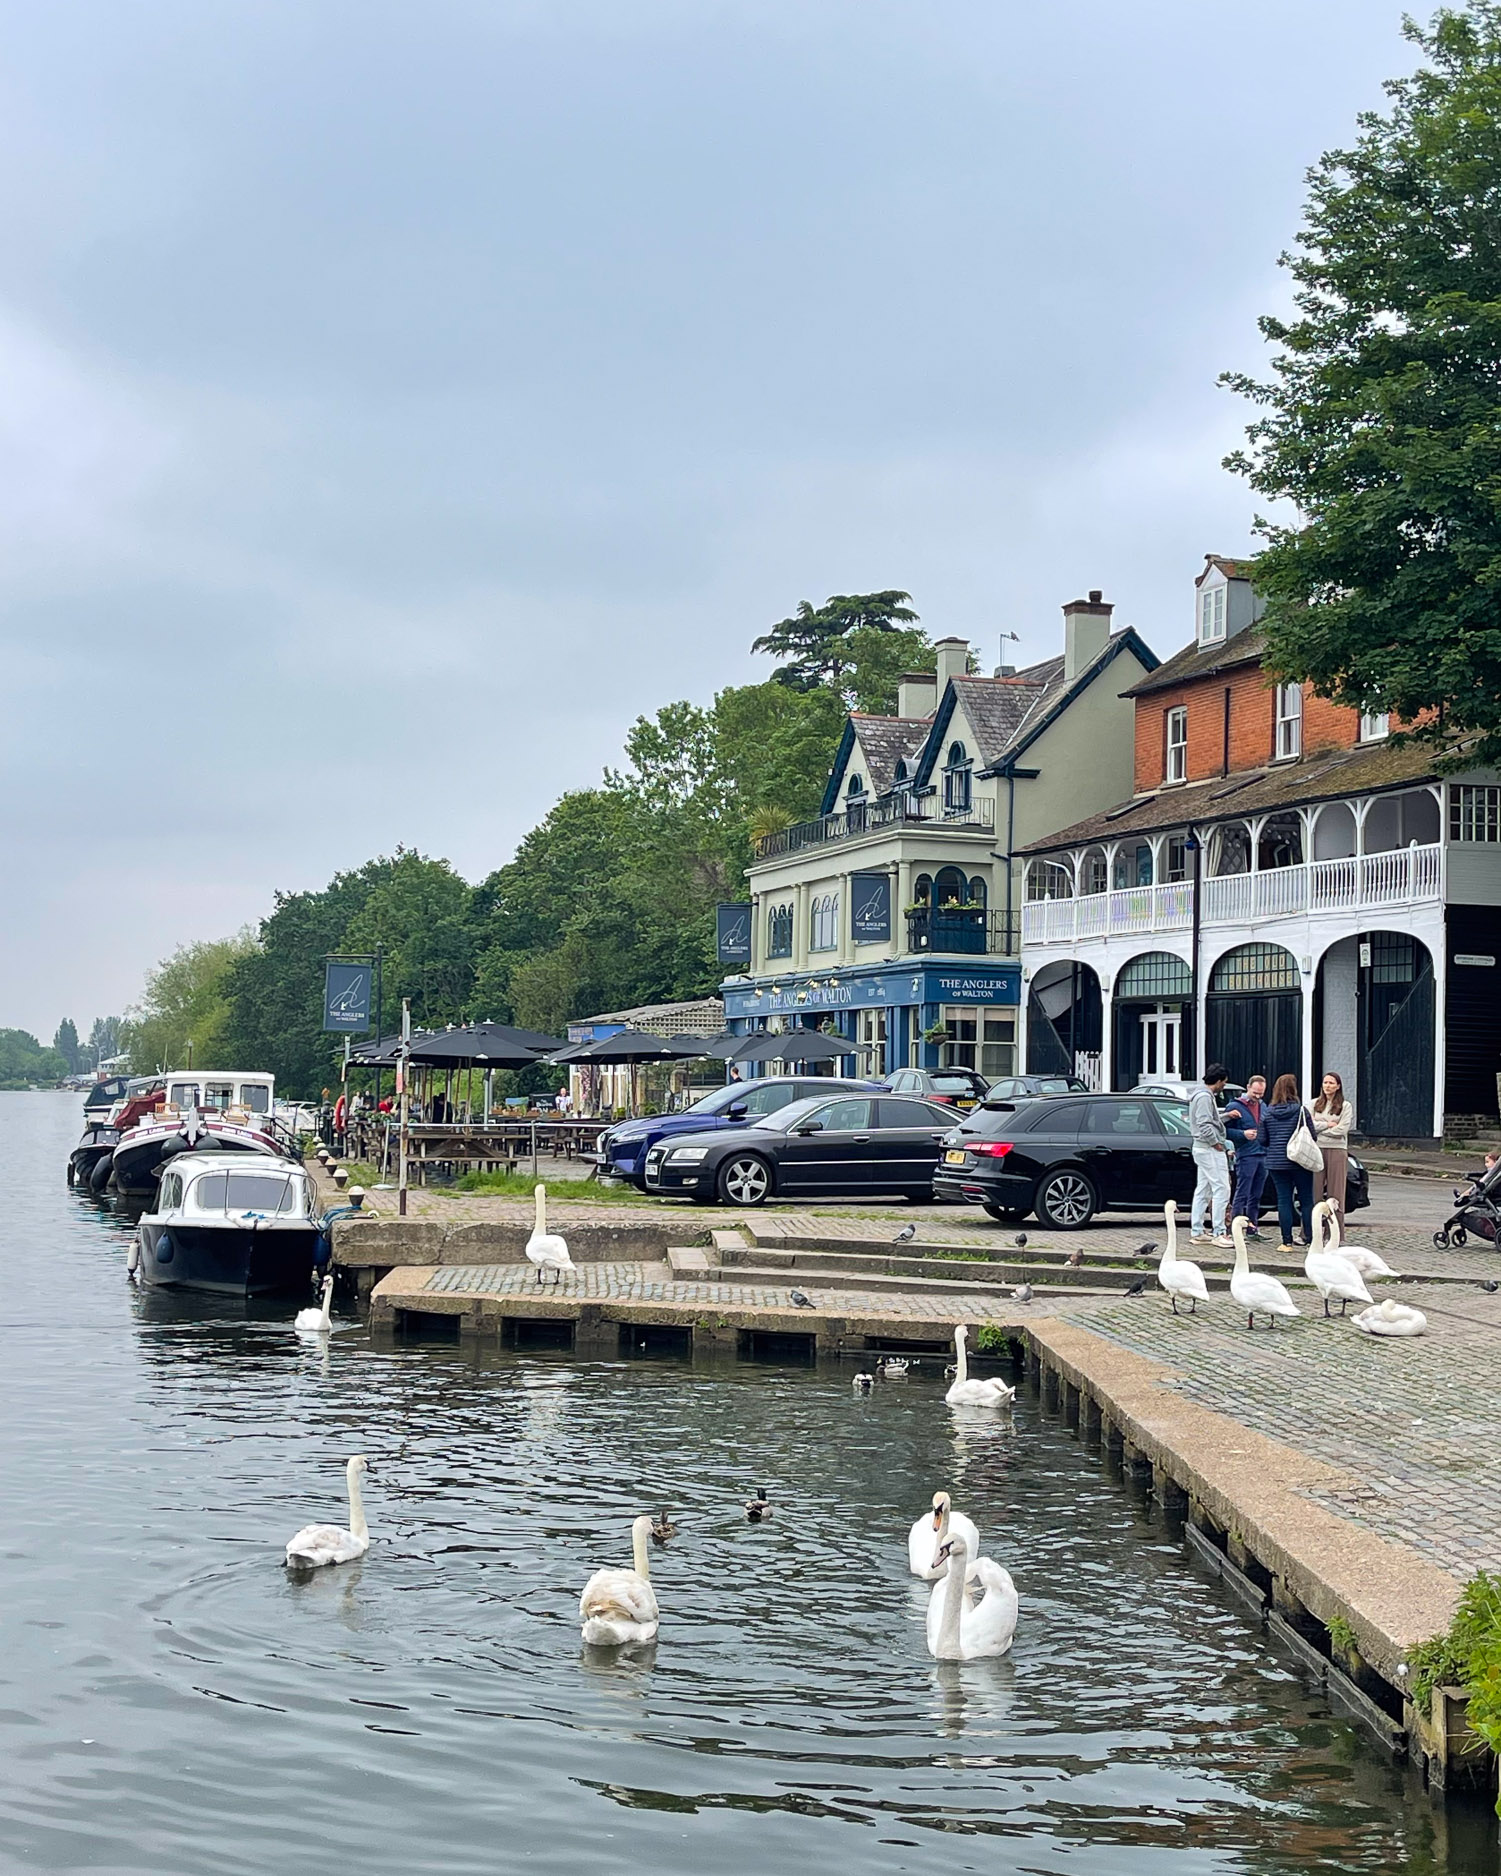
(563, 1191)
(991, 1339)
(1468, 1656)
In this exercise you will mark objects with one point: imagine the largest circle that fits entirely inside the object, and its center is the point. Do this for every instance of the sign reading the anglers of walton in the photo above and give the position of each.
(346, 997)
(734, 933)
(870, 908)
(891, 986)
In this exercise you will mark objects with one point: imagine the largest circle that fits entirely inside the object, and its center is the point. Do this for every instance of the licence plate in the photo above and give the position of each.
(954, 1157)
(965, 1103)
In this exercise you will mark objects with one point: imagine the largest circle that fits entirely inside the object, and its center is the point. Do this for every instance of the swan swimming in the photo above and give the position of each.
(1176, 1275)
(1391, 1318)
(1257, 1293)
(957, 1630)
(318, 1544)
(547, 1251)
(620, 1606)
(967, 1393)
(1367, 1262)
(318, 1321)
(1329, 1273)
(931, 1532)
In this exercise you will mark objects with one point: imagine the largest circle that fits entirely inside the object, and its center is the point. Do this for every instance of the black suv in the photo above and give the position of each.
(1069, 1158)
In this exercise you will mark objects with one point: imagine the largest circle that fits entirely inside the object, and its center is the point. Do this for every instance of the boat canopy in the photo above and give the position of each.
(220, 1093)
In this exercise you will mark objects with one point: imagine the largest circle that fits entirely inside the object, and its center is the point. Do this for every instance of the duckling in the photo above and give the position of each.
(662, 1527)
(758, 1509)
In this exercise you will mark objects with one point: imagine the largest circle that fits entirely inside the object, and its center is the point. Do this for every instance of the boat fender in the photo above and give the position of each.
(322, 1250)
(166, 1250)
(100, 1177)
(133, 1255)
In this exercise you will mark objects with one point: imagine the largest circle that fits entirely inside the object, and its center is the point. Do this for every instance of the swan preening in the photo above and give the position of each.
(968, 1393)
(620, 1606)
(318, 1544)
(1176, 1275)
(959, 1630)
(931, 1532)
(1257, 1293)
(547, 1252)
(1368, 1263)
(1391, 1318)
(1328, 1272)
(319, 1320)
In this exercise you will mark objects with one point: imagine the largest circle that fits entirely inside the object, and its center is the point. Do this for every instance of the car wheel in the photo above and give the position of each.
(1006, 1214)
(1066, 1200)
(744, 1179)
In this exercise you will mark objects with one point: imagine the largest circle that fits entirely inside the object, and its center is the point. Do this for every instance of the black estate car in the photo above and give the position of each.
(847, 1146)
(954, 1087)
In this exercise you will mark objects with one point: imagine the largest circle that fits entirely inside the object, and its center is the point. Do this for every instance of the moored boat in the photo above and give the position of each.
(217, 1113)
(110, 1104)
(233, 1224)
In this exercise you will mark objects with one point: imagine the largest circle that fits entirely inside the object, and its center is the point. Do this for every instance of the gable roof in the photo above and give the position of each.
(1196, 661)
(887, 741)
(1232, 569)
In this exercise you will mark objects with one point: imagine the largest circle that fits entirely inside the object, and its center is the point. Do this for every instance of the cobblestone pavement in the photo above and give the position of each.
(1413, 1420)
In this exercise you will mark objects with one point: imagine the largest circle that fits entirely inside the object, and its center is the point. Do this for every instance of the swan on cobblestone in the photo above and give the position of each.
(547, 1251)
(1329, 1273)
(1257, 1293)
(1391, 1318)
(1176, 1274)
(1368, 1263)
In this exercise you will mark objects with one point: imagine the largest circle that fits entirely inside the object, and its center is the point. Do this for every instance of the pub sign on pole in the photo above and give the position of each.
(346, 997)
(870, 908)
(733, 929)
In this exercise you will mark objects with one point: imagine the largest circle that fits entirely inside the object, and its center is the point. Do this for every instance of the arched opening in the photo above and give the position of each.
(922, 890)
(1280, 843)
(1133, 866)
(900, 774)
(1401, 820)
(1094, 872)
(957, 780)
(1229, 850)
(979, 890)
(779, 931)
(1151, 1033)
(1253, 1013)
(950, 888)
(1065, 1025)
(1334, 832)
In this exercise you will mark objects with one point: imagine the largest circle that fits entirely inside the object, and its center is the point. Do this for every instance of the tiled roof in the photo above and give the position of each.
(1196, 660)
(702, 1017)
(1232, 569)
(1334, 773)
(886, 741)
(998, 708)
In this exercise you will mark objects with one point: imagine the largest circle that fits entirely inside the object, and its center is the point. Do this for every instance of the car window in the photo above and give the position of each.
(1003, 1090)
(1174, 1118)
(719, 1100)
(844, 1116)
(952, 1084)
(1061, 1116)
(1119, 1119)
(911, 1114)
(1057, 1084)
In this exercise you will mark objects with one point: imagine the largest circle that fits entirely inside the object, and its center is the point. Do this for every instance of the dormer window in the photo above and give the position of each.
(1212, 613)
(957, 790)
(901, 771)
(857, 785)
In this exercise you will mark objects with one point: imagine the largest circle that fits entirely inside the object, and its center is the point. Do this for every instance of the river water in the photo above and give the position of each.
(172, 1702)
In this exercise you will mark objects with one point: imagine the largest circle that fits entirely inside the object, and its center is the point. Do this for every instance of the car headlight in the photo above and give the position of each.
(689, 1155)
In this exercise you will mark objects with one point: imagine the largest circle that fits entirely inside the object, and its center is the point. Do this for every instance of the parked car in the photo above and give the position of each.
(623, 1148)
(1024, 1087)
(954, 1087)
(851, 1146)
(1181, 1090)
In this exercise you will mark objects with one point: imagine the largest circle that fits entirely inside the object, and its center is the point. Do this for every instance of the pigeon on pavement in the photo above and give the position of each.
(1023, 1293)
(1074, 1259)
(905, 1235)
(1144, 1250)
(1020, 1240)
(1490, 1285)
(1135, 1289)
(799, 1301)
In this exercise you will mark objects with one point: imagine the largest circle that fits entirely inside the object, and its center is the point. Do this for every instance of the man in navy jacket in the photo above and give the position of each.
(1246, 1126)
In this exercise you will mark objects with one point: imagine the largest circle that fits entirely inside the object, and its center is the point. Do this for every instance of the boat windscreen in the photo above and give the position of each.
(245, 1192)
(255, 1096)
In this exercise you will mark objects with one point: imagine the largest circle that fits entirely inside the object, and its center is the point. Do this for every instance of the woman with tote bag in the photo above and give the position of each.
(1291, 1155)
(1333, 1118)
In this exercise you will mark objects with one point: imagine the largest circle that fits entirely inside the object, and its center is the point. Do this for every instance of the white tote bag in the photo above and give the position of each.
(1303, 1149)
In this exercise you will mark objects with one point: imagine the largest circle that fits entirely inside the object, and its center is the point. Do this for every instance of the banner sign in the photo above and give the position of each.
(870, 908)
(346, 997)
(733, 924)
(882, 987)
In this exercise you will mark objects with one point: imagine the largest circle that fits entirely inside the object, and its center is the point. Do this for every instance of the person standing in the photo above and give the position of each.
(1333, 1117)
(1211, 1157)
(1245, 1122)
(1294, 1183)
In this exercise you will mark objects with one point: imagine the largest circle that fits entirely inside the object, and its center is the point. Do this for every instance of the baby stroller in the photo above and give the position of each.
(1477, 1211)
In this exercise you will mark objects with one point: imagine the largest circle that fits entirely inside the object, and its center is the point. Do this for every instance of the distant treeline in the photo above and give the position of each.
(608, 902)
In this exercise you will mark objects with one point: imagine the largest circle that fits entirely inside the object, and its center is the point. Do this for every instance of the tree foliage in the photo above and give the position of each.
(104, 1040)
(820, 643)
(1382, 417)
(67, 1045)
(24, 1063)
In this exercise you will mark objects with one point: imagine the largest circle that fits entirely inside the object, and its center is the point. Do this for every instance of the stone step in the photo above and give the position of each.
(877, 1282)
(922, 1273)
(690, 1261)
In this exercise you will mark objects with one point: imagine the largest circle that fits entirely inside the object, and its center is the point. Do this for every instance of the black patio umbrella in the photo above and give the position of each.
(726, 1047)
(482, 1045)
(794, 1045)
(368, 1055)
(632, 1045)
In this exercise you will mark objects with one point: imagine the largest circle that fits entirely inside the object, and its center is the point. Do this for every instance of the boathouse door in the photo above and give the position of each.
(1395, 1027)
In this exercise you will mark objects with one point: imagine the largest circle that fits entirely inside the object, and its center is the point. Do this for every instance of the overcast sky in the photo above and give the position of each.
(400, 398)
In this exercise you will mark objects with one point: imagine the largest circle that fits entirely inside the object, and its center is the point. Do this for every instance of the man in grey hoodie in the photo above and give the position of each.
(1211, 1157)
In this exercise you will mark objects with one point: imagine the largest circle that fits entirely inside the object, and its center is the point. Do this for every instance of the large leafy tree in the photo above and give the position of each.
(1381, 421)
(815, 640)
(67, 1045)
(186, 1004)
(24, 1063)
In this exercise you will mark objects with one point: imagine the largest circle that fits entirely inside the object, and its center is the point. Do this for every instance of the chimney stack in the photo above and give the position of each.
(916, 694)
(1086, 631)
(953, 660)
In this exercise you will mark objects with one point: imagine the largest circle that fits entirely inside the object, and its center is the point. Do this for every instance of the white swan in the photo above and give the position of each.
(1257, 1294)
(1391, 1318)
(318, 1321)
(1367, 1262)
(1176, 1275)
(1329, 1273)
(318, 1544)
(547, 1252)
(967, 1393)
(620, 1606)
(931, 1532)
(959, 1631)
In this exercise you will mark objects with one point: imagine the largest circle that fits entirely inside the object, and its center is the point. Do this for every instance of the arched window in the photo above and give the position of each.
(825, 936)
(1255, 967)
(856, 785)
(922, 889)
(979, 890)
(1152, 976)
(949, 887)
(779, 932)
(901, 771)
(958, 791)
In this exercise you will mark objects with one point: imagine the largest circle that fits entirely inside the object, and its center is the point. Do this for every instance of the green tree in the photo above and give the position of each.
(813, 639)
(67, 1046)
(1382, 419)
(419, 911)
(104, 1040)
(185, 1003)
(24, 1063)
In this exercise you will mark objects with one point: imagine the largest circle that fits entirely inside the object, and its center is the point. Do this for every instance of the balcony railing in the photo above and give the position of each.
(873, 815)
(1364, 882)
(969, 931)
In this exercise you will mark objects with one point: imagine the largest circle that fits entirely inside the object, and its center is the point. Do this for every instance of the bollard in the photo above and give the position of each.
(341, 1178)
(356, 1197)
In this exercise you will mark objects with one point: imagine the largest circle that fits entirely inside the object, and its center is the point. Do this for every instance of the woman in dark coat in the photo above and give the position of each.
(1293, 1182)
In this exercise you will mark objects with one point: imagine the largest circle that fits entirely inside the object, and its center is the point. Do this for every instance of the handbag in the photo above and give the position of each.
(1302, 1148)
